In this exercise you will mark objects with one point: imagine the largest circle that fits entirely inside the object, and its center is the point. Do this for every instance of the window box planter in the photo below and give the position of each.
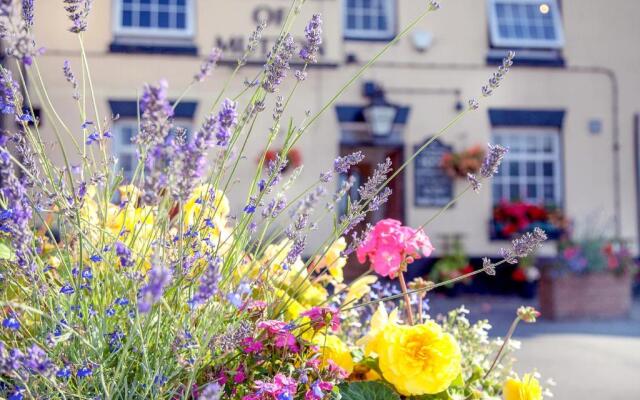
(511, 220)
(591, 295)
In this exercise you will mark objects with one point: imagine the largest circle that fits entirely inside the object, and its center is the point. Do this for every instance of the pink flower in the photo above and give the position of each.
(389, 246)
(288, 341)
(323, 316)
(240, 376)
(272, 326)
(251, 345)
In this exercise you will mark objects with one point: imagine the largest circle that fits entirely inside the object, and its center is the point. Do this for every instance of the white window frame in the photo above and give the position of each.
(188, 32)
(118, 148)
(555, 156)
(499, 41)
(371, 34)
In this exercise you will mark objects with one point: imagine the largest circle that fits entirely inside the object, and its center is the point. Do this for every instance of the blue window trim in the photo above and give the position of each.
(528, 61)
(129, 108)
(190, 50)
(523, 117)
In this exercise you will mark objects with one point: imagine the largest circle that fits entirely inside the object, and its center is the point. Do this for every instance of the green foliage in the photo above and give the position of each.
(447, 266)
(367, 391)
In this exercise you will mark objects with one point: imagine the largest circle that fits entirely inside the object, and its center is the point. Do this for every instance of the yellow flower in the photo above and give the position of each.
(334, 261)
(332, 348)
(379, 321)
(360, 288)
(417, 360)
(526, 389)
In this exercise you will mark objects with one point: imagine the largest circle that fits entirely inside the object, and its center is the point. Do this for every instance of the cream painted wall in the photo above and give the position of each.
(600, 39)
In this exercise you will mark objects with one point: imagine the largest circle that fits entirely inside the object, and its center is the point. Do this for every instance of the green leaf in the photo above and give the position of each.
(367, 391)
(5, 252)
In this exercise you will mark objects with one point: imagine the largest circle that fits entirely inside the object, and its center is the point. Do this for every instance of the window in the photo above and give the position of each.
(531, 170)
(526, 24)
(168, 18)
(369, 19)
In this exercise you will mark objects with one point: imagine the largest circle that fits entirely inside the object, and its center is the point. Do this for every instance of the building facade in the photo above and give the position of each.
(568, 109)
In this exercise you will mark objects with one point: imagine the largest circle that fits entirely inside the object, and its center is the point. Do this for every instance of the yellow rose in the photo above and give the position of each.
(334, 349)
(334, 261)
(417, 360)
(360, 288)
(379, 321)
(526, 389)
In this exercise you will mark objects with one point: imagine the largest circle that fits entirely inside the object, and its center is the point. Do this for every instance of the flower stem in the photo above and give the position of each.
(407, 300)
(512, 329)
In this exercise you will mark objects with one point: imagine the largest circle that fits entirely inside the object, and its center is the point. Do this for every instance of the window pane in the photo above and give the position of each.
(547, 168)
(531, 168)
(497, 193)
(549, 193)
(181, 21)
(532, 192)
(163, 20)
(127, 18)
(514, 168)
(515, 192)
(145, 19)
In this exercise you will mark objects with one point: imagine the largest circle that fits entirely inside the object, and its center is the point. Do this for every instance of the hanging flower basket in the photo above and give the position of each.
(458, 165)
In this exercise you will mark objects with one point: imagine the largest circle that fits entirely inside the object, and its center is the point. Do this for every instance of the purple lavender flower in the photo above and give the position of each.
(17, 214)
(156, 114)
(524, 246)
(27, 12)
(474, 182)
(342, 165)
(208, 283)
(78, 11)
(208, 65)
(71, 78)
(313, 34)
(493, 160)
(37, 361)
(8, 92)
(158, 279)
(278, 66)
(227, 119)
(213, 391)
(275, 207)
(124, 254)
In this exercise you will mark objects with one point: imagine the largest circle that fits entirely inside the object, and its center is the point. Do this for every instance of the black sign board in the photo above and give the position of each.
(433, 187)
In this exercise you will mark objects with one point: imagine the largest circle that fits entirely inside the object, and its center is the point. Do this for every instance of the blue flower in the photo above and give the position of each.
(84, 372)
(6, 214)
(17, 395)
(64, 373)
(95, 258)
(87, 274)
(11, 322)
(121, 301)
(110, 312)
(67, 289)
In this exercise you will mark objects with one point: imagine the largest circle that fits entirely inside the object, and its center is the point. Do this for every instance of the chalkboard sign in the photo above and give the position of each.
(433, 187)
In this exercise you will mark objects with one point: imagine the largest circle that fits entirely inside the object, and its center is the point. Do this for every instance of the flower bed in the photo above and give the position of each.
(173, 293)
